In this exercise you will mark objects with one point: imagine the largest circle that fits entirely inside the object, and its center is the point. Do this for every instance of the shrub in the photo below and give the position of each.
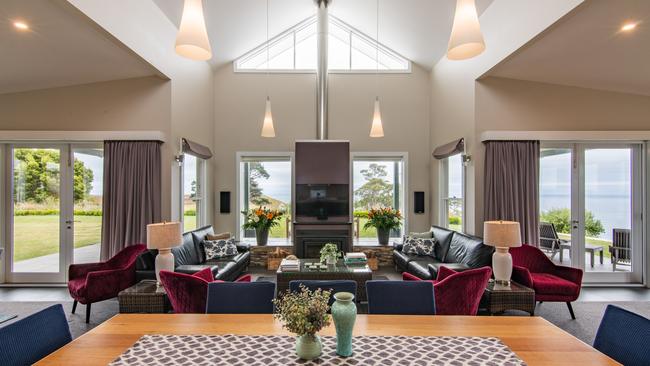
(191, 212)
(454, 220)
(561, 219)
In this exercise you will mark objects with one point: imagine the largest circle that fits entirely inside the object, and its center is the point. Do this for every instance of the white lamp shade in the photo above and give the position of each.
(192, 38)
(267, 127)
(164, 235)
(466, 40)
(502, 234)
(377, 129)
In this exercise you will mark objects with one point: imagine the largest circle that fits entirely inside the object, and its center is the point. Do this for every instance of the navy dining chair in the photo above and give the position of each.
(34, 337)
(399, 297)
(334, 286)
(623, 336)
(240, 298)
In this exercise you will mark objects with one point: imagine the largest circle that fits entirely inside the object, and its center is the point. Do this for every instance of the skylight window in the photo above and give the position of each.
(296, 50)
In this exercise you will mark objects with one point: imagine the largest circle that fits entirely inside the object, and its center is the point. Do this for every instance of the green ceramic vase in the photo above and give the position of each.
(344, 314)
(308, 347)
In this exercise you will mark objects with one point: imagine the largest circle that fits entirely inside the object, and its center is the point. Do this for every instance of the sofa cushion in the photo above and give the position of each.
(420, 267)
(548, 284)
(468, 250)
(186, 253)
(419, 246)
(402, 259)
(443, 237)
(434, 268)
(194, 268)
(198, 236)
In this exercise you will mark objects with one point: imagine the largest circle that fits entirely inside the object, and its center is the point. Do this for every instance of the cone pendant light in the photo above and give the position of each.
(192, 38)
(466, 40)
(267, 126)
(377, 129)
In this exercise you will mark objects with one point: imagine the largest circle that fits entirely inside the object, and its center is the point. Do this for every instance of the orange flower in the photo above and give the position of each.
(269, 216)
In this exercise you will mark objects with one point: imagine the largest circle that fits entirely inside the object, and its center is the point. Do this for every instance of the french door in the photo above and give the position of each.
(592, 193)
(53, 209)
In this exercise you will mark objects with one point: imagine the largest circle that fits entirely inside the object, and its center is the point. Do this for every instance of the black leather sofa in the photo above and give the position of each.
(190, 258)
(453, 250)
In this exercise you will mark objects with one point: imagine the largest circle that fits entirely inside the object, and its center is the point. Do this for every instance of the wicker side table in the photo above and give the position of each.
(497, 299)
(144, 297)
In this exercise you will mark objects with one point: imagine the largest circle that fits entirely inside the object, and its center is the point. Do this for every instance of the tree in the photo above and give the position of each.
(83, 181)
(376, 192)
(561, 219)
(256, 171)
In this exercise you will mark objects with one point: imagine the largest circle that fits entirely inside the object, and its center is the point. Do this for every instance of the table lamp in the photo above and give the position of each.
(164, 236)
(502, 235)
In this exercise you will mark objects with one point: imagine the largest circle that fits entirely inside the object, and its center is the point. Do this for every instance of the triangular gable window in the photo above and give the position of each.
(295, 50)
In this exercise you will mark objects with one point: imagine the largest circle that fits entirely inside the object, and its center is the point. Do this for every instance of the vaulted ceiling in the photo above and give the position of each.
(588, 49)
(417, 29)
(61, 48)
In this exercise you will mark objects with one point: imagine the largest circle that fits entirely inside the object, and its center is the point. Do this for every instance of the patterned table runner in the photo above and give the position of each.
(279, 350)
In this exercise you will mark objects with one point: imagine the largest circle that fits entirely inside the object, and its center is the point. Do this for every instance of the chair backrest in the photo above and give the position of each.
(532, 258)
(186, 293)
(34, 337)
(548, 238)
(399, 297)
(334, 286)
(460, 293)
(621, 240)
(127, 256)
(240, 298)
(623, 336)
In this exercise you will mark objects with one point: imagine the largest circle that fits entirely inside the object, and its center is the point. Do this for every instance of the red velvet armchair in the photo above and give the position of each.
(457, 293)
(188, 293)
(532, 268)
(93, 282)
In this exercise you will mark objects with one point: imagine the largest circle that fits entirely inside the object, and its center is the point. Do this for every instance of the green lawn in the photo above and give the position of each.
(36, 236)
(189, 223)
(603, 243)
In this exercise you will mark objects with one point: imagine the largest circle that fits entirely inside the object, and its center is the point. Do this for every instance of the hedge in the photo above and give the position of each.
(53, 212)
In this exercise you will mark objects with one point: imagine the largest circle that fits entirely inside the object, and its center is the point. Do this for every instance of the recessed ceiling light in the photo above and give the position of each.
(21, 25)
(628, 27)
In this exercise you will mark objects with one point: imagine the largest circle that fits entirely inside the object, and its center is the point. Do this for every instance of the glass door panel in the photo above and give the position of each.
(555, 176)
(88, 180)
(36, 213)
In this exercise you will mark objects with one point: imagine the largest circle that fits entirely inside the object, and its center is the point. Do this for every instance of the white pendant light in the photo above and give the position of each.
(466, 40)
(192, 38)
(267, 127)
(377, 129)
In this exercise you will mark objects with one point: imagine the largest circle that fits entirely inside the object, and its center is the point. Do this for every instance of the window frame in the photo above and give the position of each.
(443, 189)
(384, 156)
(242, 156)
(201, 193)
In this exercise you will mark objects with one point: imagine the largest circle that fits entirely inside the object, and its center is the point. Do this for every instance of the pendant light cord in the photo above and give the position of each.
(267, 49)
(377, 55)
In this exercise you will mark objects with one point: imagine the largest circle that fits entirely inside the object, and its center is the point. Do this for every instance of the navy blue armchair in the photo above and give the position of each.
(399, 297)
(240, 298)
(34, 337)
(334, 286)
(623, 336)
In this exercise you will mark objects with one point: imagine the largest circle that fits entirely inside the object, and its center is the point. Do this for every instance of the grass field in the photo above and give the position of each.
(36, 236)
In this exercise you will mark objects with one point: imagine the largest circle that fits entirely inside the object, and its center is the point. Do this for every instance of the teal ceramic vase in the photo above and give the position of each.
(308, 347)
(344, 313)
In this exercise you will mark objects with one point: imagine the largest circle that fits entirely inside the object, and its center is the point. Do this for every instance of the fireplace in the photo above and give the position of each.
(322, 210)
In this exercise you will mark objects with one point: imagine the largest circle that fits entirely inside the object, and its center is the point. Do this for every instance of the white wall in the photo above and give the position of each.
(239, 108)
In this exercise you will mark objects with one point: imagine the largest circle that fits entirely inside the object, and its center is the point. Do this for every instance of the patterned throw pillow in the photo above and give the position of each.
(419, 246)
(215, 249)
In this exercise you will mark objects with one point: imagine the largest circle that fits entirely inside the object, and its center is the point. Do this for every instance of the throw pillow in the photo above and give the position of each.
(424, 235)
(419, 246)
(215, 249)
(220, 236)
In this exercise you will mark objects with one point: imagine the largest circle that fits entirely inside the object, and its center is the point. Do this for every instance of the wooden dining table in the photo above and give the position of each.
(533, 339)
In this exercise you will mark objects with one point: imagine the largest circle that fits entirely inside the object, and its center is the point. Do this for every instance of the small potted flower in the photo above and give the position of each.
(262, 220)
(384, 220)
(305, 314)
(329, 253)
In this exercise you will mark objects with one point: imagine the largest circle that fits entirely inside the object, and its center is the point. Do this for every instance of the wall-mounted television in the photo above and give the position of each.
(322, 201)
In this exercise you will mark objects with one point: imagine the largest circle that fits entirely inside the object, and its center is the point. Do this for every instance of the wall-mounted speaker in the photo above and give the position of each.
(224, 202)
(418, 202)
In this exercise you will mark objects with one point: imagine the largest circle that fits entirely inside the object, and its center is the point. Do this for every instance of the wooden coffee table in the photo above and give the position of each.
(340, 271)
(144, 297)
(497, 298)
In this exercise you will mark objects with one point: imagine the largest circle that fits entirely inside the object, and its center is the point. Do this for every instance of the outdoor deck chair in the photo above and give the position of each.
(620, 250)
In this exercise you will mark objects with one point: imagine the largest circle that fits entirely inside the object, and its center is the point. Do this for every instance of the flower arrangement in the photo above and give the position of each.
(329, 253)
(261, 218)
(303, 312)
(383, 218)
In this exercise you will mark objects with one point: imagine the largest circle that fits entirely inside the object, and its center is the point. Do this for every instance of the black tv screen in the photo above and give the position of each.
(322, 201)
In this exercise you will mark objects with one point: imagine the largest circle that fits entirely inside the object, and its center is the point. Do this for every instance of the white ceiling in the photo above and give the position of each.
(61, 48)
(587, 49)
(417, 29)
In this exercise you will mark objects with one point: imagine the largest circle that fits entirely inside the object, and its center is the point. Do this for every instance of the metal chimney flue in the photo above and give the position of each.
(321, 71)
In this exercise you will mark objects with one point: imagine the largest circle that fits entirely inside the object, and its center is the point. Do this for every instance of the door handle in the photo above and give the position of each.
(575, 223)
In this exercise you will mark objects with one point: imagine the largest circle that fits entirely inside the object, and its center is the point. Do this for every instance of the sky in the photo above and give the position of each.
(96, 164)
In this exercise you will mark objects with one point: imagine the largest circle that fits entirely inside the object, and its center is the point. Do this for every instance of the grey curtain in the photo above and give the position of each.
(132, 178)
(511, 185)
